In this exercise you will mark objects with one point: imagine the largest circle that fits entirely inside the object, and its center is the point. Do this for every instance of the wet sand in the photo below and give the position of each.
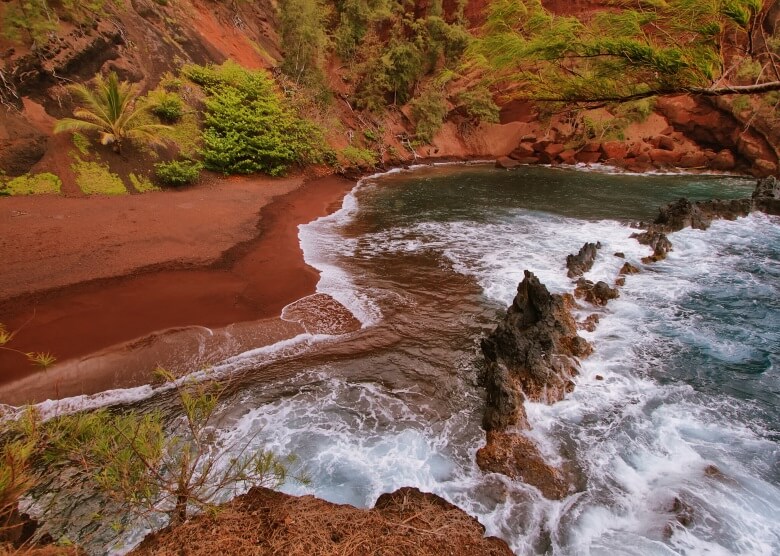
(188, 286)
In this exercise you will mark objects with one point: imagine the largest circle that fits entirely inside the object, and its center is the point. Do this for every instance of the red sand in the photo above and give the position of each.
(239, 274)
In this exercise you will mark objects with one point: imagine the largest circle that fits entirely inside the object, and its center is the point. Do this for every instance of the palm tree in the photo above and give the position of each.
(112, 108)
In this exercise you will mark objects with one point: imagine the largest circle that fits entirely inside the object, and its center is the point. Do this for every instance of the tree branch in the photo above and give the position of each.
(755, 89)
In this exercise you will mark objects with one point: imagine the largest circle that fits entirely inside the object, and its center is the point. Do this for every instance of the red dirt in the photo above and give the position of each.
(264, 522)
(60, 242)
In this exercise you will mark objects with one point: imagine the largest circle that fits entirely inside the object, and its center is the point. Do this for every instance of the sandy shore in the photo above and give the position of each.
(83, 274)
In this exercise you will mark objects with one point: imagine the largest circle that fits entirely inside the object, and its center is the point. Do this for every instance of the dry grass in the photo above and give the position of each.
(266, 522)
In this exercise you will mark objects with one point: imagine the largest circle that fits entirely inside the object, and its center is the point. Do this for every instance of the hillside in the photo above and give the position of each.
(372, 108)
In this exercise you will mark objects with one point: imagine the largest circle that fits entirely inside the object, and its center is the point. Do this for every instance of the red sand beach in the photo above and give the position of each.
(83, 274)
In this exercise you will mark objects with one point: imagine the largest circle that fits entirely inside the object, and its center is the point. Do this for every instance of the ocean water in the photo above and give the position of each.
(685, 421)
(686, 416)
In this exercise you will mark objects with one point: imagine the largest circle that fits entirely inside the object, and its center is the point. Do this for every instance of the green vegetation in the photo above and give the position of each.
(247, 125)
(304, 39)
(81, 142)
(356, 156)
(32, 184)
(142, 184)
(428, 111)
(166, 105)
(135, 458)
(478, 105)
(34, 20)
(112, 109)
(635, 52)
(178, 172)
(94, 178)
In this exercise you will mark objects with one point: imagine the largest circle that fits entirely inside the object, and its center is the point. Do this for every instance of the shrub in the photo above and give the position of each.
(247, 125)
(178, 172)
(356, 156)
(478, 105)
(167, 106)
(428, 111)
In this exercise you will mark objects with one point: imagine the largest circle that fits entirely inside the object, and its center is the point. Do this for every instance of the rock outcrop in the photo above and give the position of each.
(266, 522)
(699, 215)
(657, 241)
(766, 196)
(532, 354)
(583, 261)
(596, 294)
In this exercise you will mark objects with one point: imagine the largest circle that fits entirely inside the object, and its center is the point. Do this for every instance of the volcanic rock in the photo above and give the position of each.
(659, 243)
(680, 214)
(531, 353)
(589, 323)
(597, 294)
(628, 268)
(724, 160)
(583, 261)
(587, 157)
(766, 196)
(507, 163)
(516, 456)
(614, 150)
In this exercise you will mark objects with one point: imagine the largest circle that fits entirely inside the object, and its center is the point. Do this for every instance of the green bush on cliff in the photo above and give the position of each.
(167, 106)
(247, 125)
(428, 112)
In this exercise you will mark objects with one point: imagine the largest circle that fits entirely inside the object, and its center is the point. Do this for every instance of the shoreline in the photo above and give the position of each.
(218, 308)
(86, 324)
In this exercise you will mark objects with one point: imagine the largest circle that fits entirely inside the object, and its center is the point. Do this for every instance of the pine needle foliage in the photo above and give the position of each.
(636, 49)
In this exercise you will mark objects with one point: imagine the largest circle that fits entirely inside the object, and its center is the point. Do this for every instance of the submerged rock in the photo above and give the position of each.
(583, 261)
(516, 456)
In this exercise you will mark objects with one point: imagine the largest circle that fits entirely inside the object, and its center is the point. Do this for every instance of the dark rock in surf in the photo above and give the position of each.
(628, 268)
(597, 294)
(680, 214)
(726, 210)
(766, 196)
(589, 323)
(657, 241)
(531, 353)
(583, 261)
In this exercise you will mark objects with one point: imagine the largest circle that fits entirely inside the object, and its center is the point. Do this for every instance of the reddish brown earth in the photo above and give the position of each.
(213, 263)
(265, 522)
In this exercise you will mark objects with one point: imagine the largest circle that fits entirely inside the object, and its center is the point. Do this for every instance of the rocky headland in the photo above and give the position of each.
(534, 352)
